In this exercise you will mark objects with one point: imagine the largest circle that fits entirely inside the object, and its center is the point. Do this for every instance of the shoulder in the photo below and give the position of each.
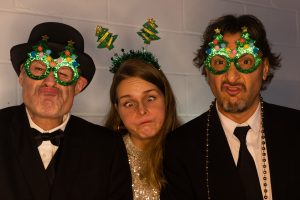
(188, 134)
(91, 130)
(7, 113)
(10, 109)
(281, 120)
(277, 112)
(279, 108)
(190, 127)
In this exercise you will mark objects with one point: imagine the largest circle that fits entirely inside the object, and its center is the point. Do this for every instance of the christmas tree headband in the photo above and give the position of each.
(147, 33)
(244, 46)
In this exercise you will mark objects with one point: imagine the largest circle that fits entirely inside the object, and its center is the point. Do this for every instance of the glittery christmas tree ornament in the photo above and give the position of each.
(148, 32)
(105, 38)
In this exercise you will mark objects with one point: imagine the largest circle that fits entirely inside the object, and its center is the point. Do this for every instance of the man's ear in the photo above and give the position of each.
(80, 84)
(266, 66)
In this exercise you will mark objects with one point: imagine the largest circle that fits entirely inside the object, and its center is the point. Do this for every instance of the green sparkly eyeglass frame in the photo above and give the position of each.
(49, 69)
(42, 53)
(218, 47)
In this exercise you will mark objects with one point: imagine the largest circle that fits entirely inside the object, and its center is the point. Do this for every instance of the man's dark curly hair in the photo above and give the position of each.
(232, 24)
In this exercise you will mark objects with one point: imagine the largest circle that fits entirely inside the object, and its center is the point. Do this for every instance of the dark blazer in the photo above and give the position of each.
(93, 163)
(184, 159)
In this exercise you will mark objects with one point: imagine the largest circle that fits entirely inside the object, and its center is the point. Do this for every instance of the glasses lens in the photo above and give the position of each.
(65, 74)
(37, 68)
(246, 61)
(218, 62)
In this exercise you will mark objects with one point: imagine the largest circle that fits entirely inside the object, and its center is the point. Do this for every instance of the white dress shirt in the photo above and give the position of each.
(253, 142)
(47, 149)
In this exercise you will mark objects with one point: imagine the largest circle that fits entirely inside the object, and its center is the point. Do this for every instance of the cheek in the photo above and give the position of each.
(215, 81)
(67, 92)
(158, 112)
(125, 116)
(256, 78)
(30, 87)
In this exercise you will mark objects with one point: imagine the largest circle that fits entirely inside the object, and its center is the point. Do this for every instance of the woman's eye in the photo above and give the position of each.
(128, 104)
(151, 98)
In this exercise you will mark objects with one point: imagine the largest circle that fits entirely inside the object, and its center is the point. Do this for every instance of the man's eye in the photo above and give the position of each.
(38, 69)
(248, 62)
(220, 62)
(63, 75)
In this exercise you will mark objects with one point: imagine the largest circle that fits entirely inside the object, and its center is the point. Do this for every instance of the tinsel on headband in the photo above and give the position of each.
(147, 33)
(144, 55)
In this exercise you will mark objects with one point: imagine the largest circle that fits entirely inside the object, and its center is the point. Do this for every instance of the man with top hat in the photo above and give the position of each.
(45, 152)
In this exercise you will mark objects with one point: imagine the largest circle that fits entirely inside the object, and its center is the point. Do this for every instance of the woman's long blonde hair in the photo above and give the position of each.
(153, 154)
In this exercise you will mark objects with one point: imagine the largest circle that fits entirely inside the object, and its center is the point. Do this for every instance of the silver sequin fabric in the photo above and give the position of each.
(141, 190)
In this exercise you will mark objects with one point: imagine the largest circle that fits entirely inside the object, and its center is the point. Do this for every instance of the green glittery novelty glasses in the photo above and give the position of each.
(246, 58)
(39, 64)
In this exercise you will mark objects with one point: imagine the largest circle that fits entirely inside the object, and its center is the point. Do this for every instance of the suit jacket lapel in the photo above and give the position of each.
(277, 154)
(223, 172)
(28, 155)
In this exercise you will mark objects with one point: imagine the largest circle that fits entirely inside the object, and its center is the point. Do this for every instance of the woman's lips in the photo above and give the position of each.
(145, 122)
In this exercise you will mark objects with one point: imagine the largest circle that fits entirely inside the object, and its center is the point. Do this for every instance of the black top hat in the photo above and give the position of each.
(59, 34)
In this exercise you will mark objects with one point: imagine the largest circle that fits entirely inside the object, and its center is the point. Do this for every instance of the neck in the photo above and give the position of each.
(46, 123)
(142, 144)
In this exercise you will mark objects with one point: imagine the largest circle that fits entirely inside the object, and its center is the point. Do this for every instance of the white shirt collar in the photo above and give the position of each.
(228, 125)
(62, 126)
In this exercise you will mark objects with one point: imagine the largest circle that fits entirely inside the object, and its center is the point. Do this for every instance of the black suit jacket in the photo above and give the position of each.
(184, 159)
(93, 163)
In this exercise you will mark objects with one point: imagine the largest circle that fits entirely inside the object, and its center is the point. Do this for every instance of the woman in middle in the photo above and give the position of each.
(143, 108)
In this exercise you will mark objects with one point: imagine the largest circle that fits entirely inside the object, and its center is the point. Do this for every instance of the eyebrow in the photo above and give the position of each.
(145, 92)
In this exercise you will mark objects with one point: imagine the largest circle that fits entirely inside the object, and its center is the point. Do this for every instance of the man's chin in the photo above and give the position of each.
(234, 106)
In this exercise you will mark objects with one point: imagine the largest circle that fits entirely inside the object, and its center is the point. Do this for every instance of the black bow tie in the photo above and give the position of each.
(55, 137)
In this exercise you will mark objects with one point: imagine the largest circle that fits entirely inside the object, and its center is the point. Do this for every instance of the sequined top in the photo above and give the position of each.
(141, 190)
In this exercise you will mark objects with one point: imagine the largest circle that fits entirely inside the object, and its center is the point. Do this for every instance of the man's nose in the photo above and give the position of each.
(50, 80)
